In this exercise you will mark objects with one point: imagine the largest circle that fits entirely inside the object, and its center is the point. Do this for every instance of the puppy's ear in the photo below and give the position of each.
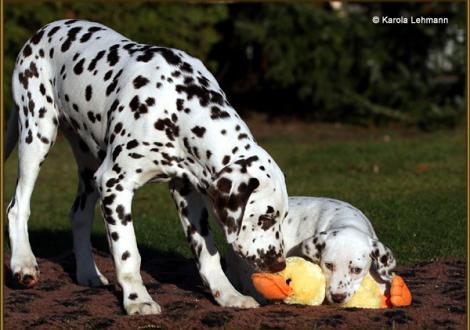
(229, 193)
(383, 261)
(312, 247)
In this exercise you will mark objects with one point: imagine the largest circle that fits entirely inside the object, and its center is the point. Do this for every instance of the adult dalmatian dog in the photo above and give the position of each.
(333, 234)
(136, 113)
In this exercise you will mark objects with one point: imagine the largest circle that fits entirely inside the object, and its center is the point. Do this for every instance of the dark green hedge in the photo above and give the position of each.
(296, 59)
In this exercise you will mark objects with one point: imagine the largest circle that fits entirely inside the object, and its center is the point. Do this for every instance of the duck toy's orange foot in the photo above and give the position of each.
(400, 294)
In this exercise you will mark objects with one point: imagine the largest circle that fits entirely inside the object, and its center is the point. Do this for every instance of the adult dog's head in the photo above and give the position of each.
(346, 255)
(249, 198)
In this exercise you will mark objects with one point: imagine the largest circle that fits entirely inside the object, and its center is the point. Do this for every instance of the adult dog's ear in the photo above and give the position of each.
(383, 261)
(313, 247)
(229, 194)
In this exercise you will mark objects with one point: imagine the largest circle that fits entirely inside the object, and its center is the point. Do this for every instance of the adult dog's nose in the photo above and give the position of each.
(277, 265)
(338, 297)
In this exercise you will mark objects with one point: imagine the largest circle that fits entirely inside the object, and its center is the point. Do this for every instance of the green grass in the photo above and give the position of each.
(420, 215)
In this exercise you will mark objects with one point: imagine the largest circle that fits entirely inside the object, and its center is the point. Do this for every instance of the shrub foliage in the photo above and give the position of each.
(295, 59)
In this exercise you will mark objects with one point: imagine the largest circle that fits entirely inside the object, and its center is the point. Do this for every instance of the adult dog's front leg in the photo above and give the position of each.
(194, 219)
(116, 199)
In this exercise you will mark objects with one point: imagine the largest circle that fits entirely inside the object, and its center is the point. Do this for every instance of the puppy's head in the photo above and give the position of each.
(249, 199)
(345, 256)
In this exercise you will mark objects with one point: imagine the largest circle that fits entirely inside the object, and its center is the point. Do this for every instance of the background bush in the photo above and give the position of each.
(304, 60)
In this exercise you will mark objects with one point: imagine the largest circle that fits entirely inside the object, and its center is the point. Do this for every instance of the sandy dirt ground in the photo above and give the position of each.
(438, 288)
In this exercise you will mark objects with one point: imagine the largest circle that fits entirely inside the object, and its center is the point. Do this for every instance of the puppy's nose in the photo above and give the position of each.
(338, 297)
(277, 265)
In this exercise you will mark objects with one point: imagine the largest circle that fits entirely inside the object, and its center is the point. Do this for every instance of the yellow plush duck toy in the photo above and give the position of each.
(303, 282)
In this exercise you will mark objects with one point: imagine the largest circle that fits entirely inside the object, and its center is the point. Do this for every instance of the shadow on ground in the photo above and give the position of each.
(58, 302)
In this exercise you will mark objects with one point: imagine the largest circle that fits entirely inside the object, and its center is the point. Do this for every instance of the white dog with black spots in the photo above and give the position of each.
(133, 114)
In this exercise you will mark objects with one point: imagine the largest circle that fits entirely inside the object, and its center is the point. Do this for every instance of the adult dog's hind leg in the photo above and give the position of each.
(194, 219)
(82, 212)
(37, 132)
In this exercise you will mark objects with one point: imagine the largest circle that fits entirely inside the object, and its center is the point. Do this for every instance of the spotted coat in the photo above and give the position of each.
(136, 113)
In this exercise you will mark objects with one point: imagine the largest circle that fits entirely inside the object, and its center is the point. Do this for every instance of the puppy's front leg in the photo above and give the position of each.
(194, 219)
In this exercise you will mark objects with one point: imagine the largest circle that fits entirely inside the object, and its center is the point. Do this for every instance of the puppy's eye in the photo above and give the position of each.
(288, 281)
(329, 266)
(356, 270)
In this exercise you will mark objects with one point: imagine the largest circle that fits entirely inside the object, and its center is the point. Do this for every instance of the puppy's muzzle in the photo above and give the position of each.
(338, 297)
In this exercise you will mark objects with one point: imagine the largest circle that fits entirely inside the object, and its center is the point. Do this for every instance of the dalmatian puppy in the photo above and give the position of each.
(133, 114)
(336, 236)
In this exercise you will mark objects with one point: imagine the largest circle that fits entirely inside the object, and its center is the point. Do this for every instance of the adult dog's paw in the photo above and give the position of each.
(93, 279)
(237, 300)
(143, 308)
(25, 271)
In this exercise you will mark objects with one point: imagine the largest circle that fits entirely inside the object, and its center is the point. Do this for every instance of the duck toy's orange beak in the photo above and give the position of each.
(271, 286)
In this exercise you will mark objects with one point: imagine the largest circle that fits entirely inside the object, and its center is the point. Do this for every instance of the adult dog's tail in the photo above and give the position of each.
(11, 136)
